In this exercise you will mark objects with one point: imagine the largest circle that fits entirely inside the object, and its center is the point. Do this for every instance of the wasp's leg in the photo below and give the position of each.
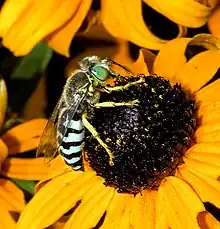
(118, 88)
(95, 134)
(113, 104)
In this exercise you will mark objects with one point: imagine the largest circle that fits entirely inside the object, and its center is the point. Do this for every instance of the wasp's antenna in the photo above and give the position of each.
(125, 68)
(116, 63)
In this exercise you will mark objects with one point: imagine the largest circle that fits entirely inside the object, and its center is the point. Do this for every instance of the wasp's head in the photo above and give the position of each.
(97, 68)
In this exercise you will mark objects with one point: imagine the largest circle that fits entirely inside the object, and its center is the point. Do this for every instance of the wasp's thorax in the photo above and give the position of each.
(148, 140)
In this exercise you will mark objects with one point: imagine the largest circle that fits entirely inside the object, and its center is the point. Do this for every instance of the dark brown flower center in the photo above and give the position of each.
(148, 140)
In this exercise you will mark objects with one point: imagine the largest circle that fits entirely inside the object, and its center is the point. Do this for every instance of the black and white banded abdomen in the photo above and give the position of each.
(72, 144)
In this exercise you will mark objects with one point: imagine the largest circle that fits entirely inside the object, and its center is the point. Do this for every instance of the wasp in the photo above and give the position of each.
(64, 132)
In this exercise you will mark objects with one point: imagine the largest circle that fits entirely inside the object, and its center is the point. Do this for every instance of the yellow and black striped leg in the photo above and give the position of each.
(95, 134)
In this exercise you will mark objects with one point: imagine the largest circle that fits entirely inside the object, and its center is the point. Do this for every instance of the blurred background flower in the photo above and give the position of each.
(14, 142)
(24, 24)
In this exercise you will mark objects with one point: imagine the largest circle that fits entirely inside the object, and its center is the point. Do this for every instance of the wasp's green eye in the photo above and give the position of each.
(100, 72)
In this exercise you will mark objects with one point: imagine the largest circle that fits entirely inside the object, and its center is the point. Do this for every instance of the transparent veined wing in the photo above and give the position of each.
(48, 142)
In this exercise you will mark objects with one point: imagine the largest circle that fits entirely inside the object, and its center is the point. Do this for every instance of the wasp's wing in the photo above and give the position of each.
(48, 142)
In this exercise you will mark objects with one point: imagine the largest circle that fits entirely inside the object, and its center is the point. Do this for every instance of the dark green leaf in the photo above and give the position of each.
(34, 63)
(28, 186)
(26, 75)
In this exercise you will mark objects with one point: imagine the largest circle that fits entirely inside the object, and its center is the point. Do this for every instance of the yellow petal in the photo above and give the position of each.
(202, 167)
(171, 58)
(209, 114)
(25, 169)
(179, 203)
(46, 17)
(213, 23)
(61, 39)
(126, 22)
(143, 208)
(161, 222)
(24, 137)
(92, 208)
(60, 223)
(32, 169)
(189, 13)
(124, 221)
(55, 199)
(55, 168)
(208, 133)
(199, 70)
(122, 54)
(208, 95)
(207, 221)
(205, 152)
(115, 211)
(6, 221)
(205, 40)
(3, 100)
(3, 151)
(145, 59)
(10, 12)
(11, 197)
(206, 187)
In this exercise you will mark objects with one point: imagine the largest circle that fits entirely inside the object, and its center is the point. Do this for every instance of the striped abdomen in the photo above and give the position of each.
(72, 145)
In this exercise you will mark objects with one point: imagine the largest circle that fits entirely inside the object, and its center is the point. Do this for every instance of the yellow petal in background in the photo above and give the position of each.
(25, 136)
(33, 168)
(56, 15)
(199, 70)
(213, 23)
(11, 12)
(25, 169)
(6, 220)
(171, 59)
(46, 17)
(3, 100)
(11, 197)
(205, 40)
(125, 21)
(179, 203)
(3, 151)
(55, 199)
(189, 13)
(140, 66)
(61, 39)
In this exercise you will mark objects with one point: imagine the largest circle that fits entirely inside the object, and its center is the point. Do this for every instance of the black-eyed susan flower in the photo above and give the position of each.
(159, 185)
